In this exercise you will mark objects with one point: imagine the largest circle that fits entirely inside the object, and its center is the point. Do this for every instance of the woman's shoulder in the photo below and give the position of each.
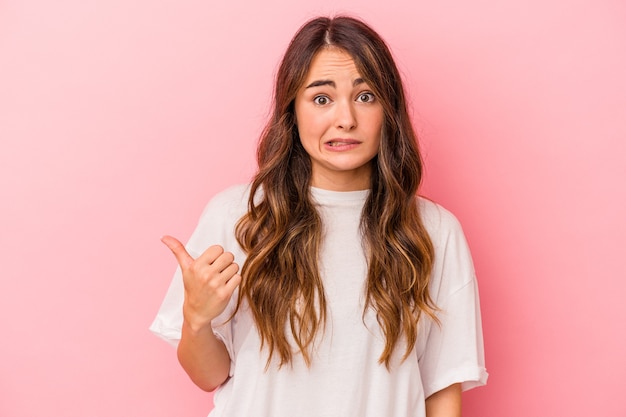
(230, 201)
(234, 193)
(438, 221)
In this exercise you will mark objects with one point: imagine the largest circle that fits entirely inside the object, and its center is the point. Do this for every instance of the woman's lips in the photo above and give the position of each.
(341, 144)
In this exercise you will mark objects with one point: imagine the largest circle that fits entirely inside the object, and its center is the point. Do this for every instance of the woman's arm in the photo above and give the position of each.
(445, 403)
(203, 356)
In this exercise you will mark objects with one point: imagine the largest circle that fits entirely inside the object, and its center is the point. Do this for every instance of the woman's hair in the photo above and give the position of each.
(282, 231)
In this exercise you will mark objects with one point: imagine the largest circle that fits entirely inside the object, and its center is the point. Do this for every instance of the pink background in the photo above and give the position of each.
(119, 119)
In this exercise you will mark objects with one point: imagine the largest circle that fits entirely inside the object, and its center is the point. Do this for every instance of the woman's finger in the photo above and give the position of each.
(179, 251)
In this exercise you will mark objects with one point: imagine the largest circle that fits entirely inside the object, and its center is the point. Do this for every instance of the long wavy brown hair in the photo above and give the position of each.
(281, 231)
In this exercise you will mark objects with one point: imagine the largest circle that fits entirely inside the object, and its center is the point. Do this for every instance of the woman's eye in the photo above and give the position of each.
(366, 97)
(321, 100)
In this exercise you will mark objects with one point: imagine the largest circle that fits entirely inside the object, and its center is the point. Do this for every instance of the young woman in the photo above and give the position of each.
(355, 297)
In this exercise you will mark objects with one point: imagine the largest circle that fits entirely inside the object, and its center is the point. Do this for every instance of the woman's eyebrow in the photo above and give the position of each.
(319, 83)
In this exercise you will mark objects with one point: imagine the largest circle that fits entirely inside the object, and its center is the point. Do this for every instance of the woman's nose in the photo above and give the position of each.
(345, 117)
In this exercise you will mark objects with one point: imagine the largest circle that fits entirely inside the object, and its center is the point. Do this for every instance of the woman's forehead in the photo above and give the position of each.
(331, 63)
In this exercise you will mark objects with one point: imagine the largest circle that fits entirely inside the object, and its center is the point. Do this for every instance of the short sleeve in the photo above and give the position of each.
(216, 226)
(453, 351)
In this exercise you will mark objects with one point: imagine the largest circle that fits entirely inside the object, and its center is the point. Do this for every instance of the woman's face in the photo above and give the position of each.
(339, 121)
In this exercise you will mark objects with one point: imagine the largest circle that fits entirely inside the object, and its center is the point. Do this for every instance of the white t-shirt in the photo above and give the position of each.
(345, 378)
